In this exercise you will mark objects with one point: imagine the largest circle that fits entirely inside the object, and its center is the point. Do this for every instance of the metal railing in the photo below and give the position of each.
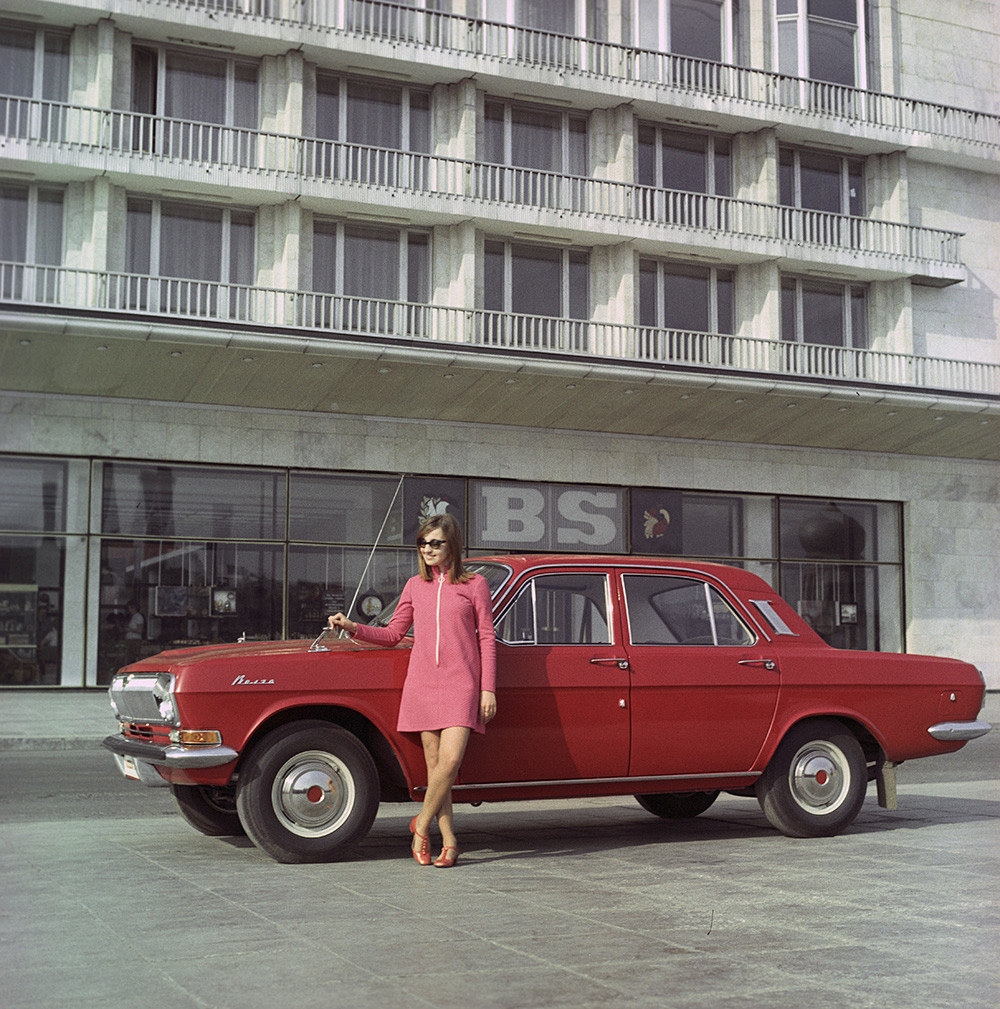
(167, 145)
(188, 300)
(455, 33)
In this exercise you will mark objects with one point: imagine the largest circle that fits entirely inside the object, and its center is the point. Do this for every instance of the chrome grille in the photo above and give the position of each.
(132, 697)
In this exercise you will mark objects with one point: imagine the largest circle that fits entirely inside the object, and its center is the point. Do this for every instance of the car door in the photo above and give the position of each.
(562, 686)
(704, 682)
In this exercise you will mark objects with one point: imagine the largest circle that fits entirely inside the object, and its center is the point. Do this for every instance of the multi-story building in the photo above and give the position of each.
(712, 277)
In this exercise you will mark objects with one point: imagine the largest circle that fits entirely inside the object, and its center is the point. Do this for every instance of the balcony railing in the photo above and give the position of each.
(168, 145)
(496, 41)
(332, 315)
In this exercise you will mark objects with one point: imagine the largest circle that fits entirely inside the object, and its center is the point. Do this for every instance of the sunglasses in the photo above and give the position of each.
(433, 544)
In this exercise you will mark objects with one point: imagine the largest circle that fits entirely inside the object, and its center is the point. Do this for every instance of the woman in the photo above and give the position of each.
(450, 687)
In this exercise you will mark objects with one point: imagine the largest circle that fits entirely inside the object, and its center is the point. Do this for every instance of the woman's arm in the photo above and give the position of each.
(487, 637)
(391, 634)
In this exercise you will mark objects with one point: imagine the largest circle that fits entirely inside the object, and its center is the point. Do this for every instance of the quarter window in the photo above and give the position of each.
(680, 611)
(569, 609)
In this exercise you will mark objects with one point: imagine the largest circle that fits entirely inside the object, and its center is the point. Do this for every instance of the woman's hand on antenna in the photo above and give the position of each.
(339, 622)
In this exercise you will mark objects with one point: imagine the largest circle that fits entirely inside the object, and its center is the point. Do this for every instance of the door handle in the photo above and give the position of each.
(610, 661)
(760, 663)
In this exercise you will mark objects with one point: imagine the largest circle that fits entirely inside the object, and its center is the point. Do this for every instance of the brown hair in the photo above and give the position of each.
(451, 532)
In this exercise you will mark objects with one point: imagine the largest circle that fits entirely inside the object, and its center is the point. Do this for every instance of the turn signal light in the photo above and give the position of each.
(196, 737)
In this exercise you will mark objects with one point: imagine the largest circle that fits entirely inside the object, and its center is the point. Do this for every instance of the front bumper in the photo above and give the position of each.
(950, 732)
(180, 757)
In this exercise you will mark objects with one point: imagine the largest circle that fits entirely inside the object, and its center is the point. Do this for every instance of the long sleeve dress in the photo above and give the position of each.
(454, 651)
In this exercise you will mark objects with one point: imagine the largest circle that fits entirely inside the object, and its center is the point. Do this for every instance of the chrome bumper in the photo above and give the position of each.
(170, 756)
(952, 731)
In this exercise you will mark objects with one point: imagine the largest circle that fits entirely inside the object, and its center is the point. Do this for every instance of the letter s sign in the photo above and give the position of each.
(592, 513)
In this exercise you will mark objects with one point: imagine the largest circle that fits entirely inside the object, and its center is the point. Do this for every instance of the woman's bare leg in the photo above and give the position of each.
(443, 752)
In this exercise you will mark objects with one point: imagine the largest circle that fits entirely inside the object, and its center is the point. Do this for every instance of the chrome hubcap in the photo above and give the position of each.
(313, 794)
(819, 777)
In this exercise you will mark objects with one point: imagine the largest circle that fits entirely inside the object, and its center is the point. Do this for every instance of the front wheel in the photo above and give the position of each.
(307, 792)
(210, 810)
(815, 783)
(677, 805)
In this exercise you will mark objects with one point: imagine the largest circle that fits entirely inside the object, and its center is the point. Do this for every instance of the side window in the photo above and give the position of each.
(663, 610)
(558, 610)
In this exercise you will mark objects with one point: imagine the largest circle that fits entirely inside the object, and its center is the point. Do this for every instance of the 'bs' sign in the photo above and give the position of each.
(546, 517)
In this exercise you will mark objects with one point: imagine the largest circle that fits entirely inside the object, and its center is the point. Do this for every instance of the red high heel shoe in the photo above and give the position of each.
(444, 860)
(423, 853)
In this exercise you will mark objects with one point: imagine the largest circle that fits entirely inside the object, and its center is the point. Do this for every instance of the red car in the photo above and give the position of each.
(665, 679)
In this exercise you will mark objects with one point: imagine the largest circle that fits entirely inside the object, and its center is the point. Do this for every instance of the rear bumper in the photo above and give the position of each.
(181, 757)
(950, 732)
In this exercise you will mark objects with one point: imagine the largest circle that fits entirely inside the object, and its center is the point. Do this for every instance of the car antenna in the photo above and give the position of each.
(316, 646)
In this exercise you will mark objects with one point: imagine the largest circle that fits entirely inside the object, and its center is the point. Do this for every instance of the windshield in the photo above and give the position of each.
(496, 576)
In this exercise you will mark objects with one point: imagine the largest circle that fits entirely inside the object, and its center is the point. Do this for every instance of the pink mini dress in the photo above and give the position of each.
(454, 651)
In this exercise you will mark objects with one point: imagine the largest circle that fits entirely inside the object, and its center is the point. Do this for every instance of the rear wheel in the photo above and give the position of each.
(307, 792)
(210, 810)
(677, 805)
(815, 783)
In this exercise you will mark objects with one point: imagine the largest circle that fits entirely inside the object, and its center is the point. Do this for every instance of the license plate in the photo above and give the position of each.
(128, 768)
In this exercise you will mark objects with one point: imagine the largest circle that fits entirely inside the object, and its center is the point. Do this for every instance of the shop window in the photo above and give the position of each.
(151, 500)
(840, 569)
(338, 508)
(325, 580)
(31, 609)
(158, 594)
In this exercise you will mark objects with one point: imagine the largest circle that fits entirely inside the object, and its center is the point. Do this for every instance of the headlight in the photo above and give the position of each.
(163, 697)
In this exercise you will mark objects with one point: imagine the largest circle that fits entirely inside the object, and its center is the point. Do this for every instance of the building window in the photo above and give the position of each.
(676, 296)
(31, 236)
(815, 181)
(33, 64)
(532, 291)
(198, 93)
(830, 314)
(202, 258)
(822, 40)
(372, 114)
(698, 28)
(675, 160)
(528, 136)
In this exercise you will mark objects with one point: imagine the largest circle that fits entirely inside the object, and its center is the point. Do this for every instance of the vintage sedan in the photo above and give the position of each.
(668, 680)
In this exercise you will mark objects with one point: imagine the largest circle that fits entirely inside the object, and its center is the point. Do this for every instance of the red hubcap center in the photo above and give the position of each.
(314, 794)
(822, 777)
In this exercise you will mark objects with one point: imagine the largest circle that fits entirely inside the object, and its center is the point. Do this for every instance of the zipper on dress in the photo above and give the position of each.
(437, 620)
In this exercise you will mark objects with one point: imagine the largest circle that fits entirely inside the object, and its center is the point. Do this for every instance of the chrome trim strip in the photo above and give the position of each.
(950, 731)
(603, 781)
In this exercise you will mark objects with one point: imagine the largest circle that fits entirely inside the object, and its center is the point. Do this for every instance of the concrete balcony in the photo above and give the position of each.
(376, 37)
(318, 317)
(62, 142)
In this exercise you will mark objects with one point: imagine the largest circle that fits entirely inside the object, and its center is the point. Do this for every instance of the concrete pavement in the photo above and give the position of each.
(588, 904)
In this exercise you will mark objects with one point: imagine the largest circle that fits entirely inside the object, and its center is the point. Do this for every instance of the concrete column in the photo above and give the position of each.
(611, 135)
(282, 95)
(758, 301)
(887, 187)
(886, 42)
(756, 43)
(454, 119)
(453, 278)
(94, 52)
(755, 166)
(279, 258)
(890, 316)
(94, 225)
(613, 284)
